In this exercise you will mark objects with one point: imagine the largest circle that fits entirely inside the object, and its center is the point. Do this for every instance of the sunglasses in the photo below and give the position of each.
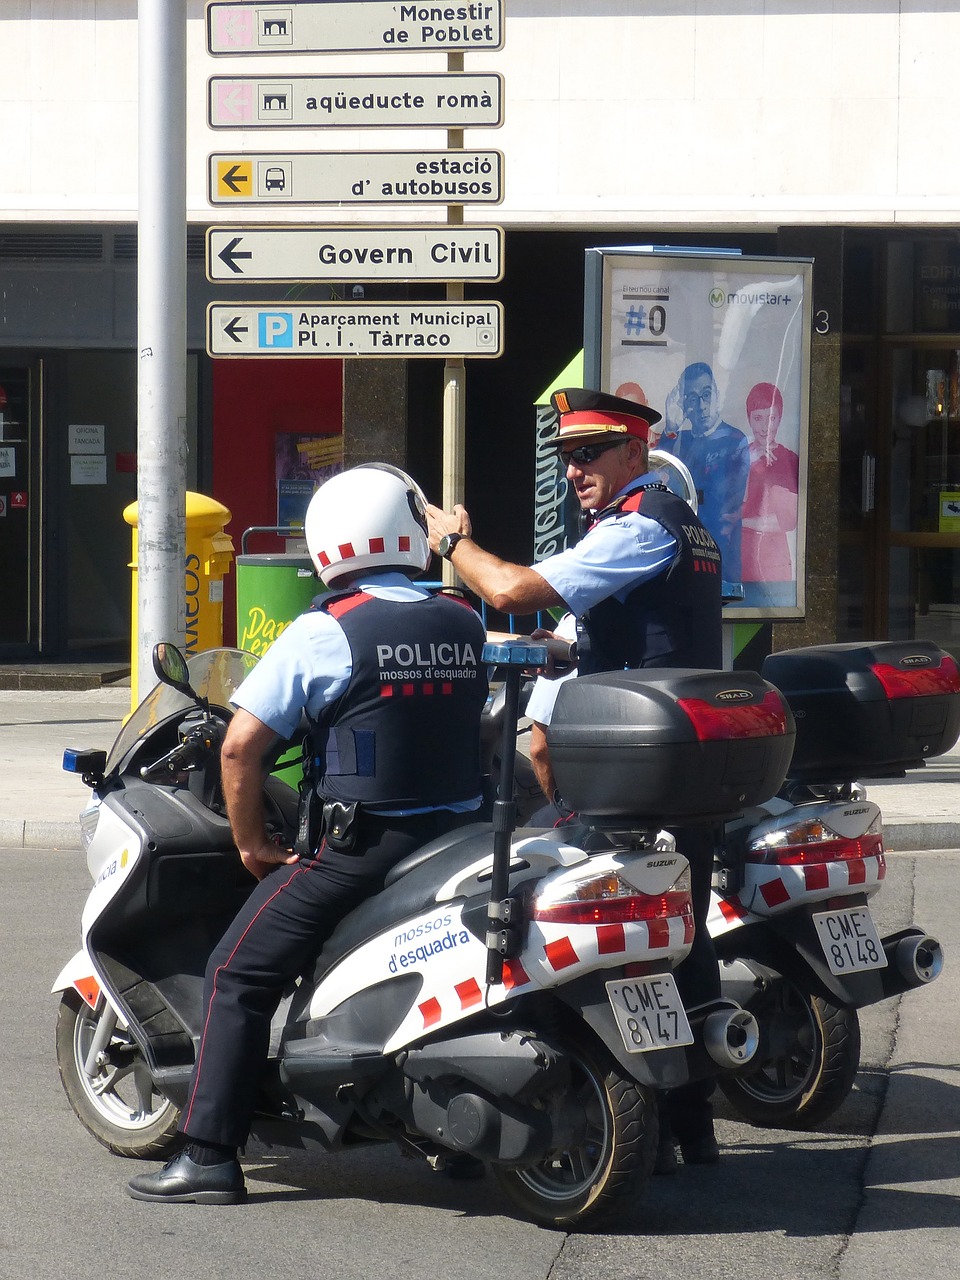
(586, 453)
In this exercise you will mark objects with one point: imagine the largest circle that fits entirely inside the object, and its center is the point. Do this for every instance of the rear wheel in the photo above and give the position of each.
(612, 1161)
(119, 1104)
(808, 1058)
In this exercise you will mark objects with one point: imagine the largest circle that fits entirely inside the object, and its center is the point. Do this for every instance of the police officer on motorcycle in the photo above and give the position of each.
(644, 583)
(391, 681)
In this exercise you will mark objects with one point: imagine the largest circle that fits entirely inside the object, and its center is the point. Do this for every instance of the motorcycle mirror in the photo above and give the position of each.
(170, 666)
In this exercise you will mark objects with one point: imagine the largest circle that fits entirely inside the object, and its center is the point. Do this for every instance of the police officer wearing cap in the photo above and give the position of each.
(644, 583)
(387, 774)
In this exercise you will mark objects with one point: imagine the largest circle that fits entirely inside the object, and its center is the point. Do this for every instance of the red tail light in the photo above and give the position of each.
(830, 851)
(606, 899)
(918, 682)
(764, 719)
(812, 841)
(630, 910)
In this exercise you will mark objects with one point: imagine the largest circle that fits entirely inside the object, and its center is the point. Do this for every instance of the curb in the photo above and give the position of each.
(30, 834)
(902, 837)
(898, 837)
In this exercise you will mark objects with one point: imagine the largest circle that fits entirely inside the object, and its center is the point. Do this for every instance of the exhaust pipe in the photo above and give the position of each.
(731, 1037)
(914, 959)
(918, 960)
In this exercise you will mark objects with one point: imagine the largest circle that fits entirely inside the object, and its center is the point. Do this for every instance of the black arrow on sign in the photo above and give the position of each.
(228, 256)
(234, 328)
(232, 177)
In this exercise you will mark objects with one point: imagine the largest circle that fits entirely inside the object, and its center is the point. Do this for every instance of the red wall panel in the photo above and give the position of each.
(253, 401)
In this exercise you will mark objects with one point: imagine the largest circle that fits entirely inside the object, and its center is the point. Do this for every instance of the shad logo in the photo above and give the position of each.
(734, 695)
(717, 297)
(916, 660)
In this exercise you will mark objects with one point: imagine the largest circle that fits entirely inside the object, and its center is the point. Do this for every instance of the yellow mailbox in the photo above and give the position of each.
(209, 555)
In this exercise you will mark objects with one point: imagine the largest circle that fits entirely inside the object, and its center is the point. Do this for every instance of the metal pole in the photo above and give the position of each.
(454, 376)
(161, 329)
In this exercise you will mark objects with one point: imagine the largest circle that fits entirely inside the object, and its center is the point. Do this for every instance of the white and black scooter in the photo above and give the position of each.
(791, 917)
(790, 913)
(507, 994)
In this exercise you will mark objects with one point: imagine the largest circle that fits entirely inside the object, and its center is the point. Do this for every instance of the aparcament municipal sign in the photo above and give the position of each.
(444, 329)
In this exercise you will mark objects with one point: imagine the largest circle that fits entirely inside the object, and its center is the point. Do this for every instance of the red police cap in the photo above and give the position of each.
(594, 415)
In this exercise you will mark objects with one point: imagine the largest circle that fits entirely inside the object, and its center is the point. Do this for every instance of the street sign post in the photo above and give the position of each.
(356, 178)
(344, 329)
(277, 253)
(347, 27)
(456, 100)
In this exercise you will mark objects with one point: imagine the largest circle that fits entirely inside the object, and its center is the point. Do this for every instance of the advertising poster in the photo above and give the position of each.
(719, 345)
(303, 462)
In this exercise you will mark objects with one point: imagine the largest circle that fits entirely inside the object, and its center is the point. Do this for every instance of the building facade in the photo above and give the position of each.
(798, 129)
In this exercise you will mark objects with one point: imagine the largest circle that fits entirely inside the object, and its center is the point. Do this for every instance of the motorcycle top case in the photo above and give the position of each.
(867, 710)
(668, 746)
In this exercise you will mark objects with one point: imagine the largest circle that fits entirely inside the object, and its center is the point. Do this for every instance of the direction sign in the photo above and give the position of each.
(339, 329)
(456, 100)
(347, 27)
(278, 253)
(364, 177)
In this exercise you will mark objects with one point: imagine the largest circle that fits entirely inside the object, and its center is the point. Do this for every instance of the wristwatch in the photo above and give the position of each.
(447, 544)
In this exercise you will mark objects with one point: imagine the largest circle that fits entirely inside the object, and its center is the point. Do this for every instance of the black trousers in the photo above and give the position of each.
(688, 1108)
(274, 938)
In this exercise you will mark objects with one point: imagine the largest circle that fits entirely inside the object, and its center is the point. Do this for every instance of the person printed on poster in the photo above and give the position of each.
(716, 454)
(770, 506)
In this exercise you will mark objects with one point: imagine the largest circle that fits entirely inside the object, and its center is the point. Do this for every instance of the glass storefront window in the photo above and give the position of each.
(924, 501)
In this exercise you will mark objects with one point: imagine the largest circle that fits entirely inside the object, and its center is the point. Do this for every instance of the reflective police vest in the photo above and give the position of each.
(406, 731)
(670, 620)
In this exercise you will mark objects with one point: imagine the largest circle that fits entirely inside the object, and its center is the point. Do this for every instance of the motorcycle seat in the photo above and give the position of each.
(433, 847)
(415, 889)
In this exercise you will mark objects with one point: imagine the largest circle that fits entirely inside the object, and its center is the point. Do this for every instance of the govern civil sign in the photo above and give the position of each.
(280, 253)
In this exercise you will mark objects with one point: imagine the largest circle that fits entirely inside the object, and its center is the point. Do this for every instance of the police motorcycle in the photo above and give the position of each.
(508, 994)
(790, 915)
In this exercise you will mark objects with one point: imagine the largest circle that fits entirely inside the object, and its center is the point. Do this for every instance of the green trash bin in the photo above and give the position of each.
(272, 590)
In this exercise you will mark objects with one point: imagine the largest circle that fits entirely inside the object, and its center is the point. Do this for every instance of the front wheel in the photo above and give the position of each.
(119, 1104)
(613, 1160)
(807, 1061)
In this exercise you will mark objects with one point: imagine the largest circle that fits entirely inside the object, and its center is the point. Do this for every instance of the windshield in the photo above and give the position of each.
(214, 674)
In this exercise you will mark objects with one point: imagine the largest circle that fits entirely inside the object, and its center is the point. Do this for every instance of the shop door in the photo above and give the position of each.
(920, 513)
(19, 511)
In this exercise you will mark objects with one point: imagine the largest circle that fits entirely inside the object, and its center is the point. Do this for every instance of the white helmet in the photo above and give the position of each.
(370, 517)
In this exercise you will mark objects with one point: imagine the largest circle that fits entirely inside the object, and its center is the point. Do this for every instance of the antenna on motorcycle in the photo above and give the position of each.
(502, 940)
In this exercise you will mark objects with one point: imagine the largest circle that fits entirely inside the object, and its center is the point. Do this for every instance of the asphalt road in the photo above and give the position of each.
(873, 1194)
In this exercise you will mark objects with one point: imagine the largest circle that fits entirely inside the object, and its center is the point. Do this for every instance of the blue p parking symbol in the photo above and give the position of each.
(275, 329)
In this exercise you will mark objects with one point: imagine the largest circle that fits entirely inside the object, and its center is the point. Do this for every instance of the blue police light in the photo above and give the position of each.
(515, 653)
(84, 760)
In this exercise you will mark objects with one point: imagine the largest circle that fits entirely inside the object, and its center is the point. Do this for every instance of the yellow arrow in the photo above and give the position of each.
(234, 177)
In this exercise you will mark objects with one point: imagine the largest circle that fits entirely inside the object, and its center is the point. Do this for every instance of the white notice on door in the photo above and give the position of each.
(86, 439)
(8, 460)
(88, 470)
